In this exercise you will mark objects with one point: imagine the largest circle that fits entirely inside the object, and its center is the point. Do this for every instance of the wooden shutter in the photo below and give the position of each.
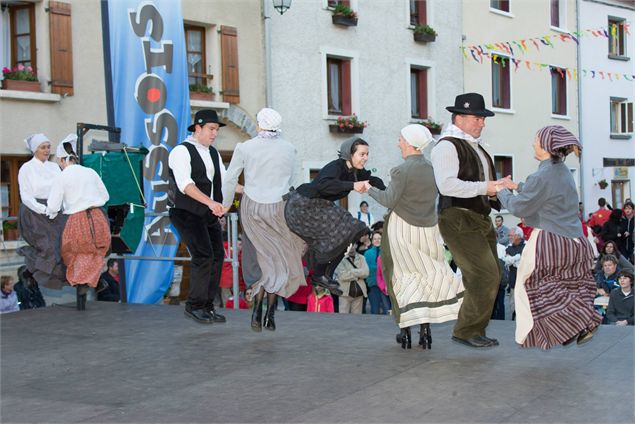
(422, 77)
(346, 88)
(555, 13)
(505, 83)
(629, 117)
(229, 58)
(422, 12)
(61, 48)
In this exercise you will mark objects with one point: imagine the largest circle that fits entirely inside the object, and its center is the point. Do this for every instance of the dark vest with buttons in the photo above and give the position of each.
(470, 169)
(179, 200)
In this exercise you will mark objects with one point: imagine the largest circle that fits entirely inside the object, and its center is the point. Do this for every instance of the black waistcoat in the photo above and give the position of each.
(179, 200)
(470, 169)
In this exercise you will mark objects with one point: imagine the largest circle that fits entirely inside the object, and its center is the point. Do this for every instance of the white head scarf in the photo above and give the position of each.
(34, 140)
(60, 152)
(417, 136)
(268, 119)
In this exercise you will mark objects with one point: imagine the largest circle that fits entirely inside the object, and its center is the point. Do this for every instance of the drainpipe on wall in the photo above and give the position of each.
(268, 74)
(579, 65)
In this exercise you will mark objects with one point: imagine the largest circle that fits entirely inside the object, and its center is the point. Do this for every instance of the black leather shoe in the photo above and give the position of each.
(270, 323)
(584, 336)
(425, 337)
(571, 340)
(476, 342)
(493, 342)
(216, 317)
(404, 338)
(331, 285)
(199, 315)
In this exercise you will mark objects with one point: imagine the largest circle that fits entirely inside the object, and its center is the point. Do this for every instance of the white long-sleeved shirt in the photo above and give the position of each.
(180, 163)
(445, 162)
(35, 180)
(268, 164)
(77, 188)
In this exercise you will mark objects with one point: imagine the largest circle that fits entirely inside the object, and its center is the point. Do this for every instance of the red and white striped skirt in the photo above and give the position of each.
(554, 290)
(85, 242)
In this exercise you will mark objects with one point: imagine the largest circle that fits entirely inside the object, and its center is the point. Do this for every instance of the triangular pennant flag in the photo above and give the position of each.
(519, 46)
(560, 72)
(601, 74)
(548, 38)
(528, 63)
(524, 44)
(617, 76)
(535, 44)
(609, 75)
(568, 73)
(474, 55)
(509, 48)
(575, 74)
(516, 63)
(464, 52)
(592, 74)
(605, 33)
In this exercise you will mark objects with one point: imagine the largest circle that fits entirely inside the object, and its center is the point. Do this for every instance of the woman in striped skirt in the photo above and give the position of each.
(554, 285)
(268, 162)
(422, 286)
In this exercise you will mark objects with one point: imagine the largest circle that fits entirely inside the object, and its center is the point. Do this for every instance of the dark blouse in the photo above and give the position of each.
(335, 181)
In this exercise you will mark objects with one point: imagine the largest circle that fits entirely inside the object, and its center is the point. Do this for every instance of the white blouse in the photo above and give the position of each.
(78, 188)
(35, 179)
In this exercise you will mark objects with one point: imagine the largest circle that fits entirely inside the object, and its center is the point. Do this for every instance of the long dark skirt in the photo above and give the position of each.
(326, 228)
(42, 255)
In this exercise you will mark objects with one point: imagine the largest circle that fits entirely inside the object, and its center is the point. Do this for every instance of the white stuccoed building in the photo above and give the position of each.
(378, 66)
(606, 105)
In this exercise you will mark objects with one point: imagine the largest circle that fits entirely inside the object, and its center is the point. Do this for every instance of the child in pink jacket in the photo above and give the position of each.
(320, 300)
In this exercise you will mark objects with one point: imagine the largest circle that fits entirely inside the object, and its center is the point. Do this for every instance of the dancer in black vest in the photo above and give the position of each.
(196, 203)
(464, 172)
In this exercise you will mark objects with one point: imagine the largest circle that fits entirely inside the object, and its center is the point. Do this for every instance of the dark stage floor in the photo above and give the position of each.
(148, 363)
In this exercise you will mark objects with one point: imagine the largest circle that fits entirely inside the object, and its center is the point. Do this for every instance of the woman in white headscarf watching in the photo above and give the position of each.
(86, 236)
(422, 286)
(268, 162)
(35, 178)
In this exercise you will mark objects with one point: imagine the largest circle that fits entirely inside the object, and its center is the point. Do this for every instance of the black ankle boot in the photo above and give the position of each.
(425, 337)
(272, 303)
(82, 290)
(404, 338)
(256, 314)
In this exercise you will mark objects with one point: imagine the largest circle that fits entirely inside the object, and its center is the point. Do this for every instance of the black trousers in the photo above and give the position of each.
(203, 237)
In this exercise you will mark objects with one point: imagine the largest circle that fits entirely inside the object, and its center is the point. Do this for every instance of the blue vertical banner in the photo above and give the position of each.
(151, 106)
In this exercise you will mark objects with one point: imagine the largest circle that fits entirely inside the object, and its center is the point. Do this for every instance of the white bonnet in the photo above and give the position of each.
(60, 152)
(268, 119)
(34, 140)
(417, 136)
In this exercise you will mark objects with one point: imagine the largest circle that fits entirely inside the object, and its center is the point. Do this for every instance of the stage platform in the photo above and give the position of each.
(117, 363)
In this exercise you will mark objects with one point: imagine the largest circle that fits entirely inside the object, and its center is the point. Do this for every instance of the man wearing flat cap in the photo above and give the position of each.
(464, 174)
(195, 197)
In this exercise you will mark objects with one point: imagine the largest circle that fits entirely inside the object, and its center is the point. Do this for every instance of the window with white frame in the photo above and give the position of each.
(558, 13)
(418, 12)
(18, 43)
(621, 116)
(502, 5)
(617, 39)
(504, 166)
(558, 91)
(501, 82)
(418, 92)
(338, 82)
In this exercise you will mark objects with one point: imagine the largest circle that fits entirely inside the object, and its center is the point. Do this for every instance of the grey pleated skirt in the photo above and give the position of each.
(278, 250)
(42, 255)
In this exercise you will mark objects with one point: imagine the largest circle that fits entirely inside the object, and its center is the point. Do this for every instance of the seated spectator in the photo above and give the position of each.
(242, 303)
(8, 298)
(620, 310)
(610, 248)
(612, 228)
(526, 228)
(28, 290)
(364, 244)
(377, 227)
(320, 300)
(607, 279)
(502, 232)
(350, 273)
(108, 288)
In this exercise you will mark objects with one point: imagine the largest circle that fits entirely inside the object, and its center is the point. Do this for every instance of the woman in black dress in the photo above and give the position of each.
(328, 229)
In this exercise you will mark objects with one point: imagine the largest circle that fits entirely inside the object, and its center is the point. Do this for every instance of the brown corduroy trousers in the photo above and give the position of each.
(472, 241)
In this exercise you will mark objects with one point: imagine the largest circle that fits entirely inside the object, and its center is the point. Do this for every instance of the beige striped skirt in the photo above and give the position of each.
(85, 242)
(423, 286)
(554, 290)
(278, 250)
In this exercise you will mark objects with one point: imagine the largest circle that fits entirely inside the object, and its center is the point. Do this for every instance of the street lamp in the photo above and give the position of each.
(281, 5)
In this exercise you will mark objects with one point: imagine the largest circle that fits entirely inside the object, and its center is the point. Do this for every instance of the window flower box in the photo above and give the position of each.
(18, 85)
(344, 16)
(201, 92)
(433, 127)
(10, 230)
(424, 34)
(348, 125)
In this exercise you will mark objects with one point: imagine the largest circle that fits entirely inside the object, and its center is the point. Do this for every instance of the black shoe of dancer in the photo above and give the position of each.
(331, 285)
(216, 317)
(425, 336)
(404, 338)
(256, 314)
(272, 302)
(82, 290)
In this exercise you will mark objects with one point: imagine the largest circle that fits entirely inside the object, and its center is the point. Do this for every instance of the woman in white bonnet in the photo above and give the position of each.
(267, 161)
(35, 179)
(86, 235)
(422, 286)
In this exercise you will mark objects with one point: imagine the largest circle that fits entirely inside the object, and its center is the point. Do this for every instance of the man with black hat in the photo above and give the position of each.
(195, 197)
(464, 174)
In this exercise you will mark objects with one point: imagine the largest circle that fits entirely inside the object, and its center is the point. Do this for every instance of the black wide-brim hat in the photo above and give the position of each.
(203, 117)
(470, 104)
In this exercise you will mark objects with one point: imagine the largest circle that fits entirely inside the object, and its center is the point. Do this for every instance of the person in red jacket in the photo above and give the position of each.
(600, 216)
(320, 300)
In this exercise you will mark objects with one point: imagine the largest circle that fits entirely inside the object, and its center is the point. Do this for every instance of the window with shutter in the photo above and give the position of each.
(338, 79)
(558, 91)
(621, 116)
(61, 48)
(229, 59)
(418, 12)
(22, 30)
(418, 93)
(555, 13)
(501, 84)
